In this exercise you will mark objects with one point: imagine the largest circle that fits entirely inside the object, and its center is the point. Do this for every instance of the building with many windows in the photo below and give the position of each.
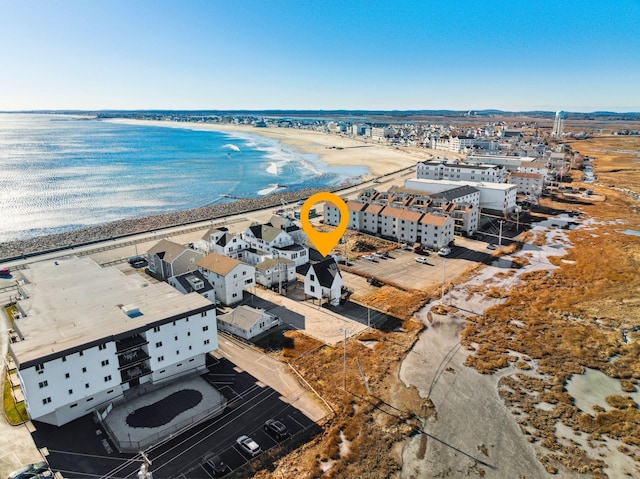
(88, 334)
(440, 170)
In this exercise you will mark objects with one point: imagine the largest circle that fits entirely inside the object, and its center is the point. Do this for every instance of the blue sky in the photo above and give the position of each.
(140, 54)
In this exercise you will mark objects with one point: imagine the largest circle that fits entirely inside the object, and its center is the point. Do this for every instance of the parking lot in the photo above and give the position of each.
(402, 269)
(79, 450)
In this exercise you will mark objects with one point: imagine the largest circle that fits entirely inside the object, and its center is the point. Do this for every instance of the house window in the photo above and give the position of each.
(81, 353)
(188, 333)
(156, 329)
(177, 352)
(70, 391)
(160, 358)
(39, 368)
(234, 295)
(175, 338)
(205, 328)
(102, 347)
(206, 341)
(105, 362)
(84, 370)
(159, 344)
(190, 347)
(64, 358)
(73, 405)
(248, 281)
(90, 399)
(66, 375)
(313, 289)
(107, 378)
(43, 384)
(313, 278)
(203, 314)
(86, 386)
(46, 400)
(244, 273)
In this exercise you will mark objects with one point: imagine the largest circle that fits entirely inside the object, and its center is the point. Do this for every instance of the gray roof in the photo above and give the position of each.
(454, 193)
(188, 279)
(271, 262)
(167, 250)
(265, 232)
(244, 317)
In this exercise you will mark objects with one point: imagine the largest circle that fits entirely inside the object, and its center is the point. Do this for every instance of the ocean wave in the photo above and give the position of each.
(269, 189)
(231, 147)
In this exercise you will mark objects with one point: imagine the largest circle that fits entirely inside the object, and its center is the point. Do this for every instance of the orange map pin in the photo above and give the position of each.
(324, 241)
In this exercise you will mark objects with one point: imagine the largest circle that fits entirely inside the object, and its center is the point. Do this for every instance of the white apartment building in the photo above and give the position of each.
(436, 230)
(438, 170)
(87, 334)
(528, 183)
(496, 197)
(381, 133)
(510, 163)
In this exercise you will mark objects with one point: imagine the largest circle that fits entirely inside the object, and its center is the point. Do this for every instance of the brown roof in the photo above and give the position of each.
(374, 209)
(355, 205)
(402, 214)
(537, 176)
(431, 219)
(218, 263)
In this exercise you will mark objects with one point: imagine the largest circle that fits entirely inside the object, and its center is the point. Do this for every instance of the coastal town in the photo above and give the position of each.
(223, 336)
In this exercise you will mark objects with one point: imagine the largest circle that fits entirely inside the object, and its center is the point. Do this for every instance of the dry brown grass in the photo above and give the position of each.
(372, 424)
(572, 318)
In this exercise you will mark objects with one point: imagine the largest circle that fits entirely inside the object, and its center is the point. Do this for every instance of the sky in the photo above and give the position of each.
(512, 55)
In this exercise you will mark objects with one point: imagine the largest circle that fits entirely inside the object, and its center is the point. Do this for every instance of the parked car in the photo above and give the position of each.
(405, 246)
(5, 272)
(491, 246)
(38, 469)
(446, 251)
(248, 445)
(369, 257)
(216, 464)
(276, 428)
(374, 282)
(421, 260)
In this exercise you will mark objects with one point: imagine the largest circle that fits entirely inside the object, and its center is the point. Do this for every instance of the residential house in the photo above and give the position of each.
(167, 259)
(323, 280)
(297, 253)
(266, 237)
(193, 281)
(247, 322)
(275, 271)
(228, 276)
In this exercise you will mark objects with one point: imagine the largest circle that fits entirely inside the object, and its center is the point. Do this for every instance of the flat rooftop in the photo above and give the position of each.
(72, 302)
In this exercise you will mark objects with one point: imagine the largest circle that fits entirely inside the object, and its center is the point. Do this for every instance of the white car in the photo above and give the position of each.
(421, 260)
(248, 445)
(446, 251)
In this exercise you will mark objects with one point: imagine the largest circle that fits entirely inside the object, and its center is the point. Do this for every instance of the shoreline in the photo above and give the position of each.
(333, 150)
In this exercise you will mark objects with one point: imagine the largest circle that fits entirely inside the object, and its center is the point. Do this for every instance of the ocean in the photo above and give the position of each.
(60, 172)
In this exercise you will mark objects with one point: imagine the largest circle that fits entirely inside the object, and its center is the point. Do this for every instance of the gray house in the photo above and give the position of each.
(167, 259)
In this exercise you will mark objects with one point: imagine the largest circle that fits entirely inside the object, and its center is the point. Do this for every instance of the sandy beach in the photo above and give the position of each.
(334, 150)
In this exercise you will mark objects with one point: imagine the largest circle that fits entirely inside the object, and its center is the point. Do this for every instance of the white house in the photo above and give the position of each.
(323, 281)
(193, 281)
(229, 277)
(297, 253)
(266, 237)
(167, 259)
(272, 272)
(247, 322)
(88, 334)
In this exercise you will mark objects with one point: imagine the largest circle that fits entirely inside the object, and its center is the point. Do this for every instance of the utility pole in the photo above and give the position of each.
(500, 234)
(144, 472)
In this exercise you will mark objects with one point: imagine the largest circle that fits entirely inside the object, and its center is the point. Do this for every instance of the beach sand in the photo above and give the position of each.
(334, 150)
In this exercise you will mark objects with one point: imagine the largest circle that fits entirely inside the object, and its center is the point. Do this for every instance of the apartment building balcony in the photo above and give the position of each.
(135, 372)
(132, 342)
(131, 358)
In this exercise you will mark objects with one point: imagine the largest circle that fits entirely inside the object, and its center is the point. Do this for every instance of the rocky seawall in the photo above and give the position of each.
(117, 229)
